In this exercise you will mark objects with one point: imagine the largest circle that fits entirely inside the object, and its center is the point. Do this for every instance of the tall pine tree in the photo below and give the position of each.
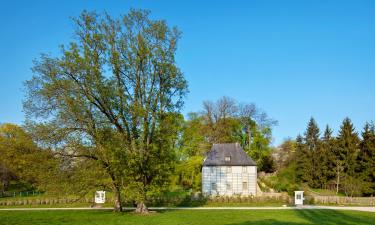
(366, 159)
(313, 144)
(302, 162)
(348, 142)
(348, 146)
(327, 158)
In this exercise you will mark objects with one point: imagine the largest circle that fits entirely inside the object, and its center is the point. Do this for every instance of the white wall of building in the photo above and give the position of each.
(229, 180)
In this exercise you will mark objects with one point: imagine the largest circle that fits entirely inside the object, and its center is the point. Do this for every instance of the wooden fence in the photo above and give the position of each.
(340, 200)
(250, 199)
(157, 201)
(198, 201)
(43, 201)
(5, 194)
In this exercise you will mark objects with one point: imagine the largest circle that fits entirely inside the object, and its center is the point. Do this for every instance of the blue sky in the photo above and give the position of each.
(294, 59)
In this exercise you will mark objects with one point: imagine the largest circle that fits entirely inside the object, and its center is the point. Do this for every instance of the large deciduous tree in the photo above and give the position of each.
(113, 96)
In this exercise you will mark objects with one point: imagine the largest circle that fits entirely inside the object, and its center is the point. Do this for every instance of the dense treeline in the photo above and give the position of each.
(223, 121)
(344, 163)
(23, 165)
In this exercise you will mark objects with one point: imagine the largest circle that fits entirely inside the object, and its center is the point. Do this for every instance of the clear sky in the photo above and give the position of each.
(294, 59)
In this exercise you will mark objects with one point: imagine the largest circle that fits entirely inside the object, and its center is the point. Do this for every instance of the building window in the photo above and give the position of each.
(244, 186)
(298, 196)
(244, 169)
(229, 186)
(229, 169)
(213, 187)
(227, 159)
(212, 169)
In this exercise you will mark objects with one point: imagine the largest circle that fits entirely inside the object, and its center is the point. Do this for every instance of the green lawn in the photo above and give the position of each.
(326, 192)
(205, 217)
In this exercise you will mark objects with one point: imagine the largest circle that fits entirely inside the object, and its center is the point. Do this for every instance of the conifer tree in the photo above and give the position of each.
(327, 157)
(348, 147)
(302, 161)
(366, 158)
(313, 143)
(348, 141)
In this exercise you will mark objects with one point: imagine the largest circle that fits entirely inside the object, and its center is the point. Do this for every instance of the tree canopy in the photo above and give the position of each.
(112, 96)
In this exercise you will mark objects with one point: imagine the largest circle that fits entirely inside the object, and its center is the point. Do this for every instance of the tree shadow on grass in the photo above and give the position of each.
(266, 222)
(319, 216)
(331, 217)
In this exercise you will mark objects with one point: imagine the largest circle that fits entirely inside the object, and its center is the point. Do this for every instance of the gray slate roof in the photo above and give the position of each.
(218, 152)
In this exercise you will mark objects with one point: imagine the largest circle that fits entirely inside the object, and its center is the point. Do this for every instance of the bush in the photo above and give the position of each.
(284, 180)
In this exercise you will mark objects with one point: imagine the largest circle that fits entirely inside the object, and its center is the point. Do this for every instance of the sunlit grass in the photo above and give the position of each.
(191, 217)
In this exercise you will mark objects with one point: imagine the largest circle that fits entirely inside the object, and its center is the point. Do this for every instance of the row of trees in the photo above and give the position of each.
(345, 163)
(61, 165)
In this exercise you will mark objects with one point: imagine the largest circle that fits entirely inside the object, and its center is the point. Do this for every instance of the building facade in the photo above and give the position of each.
(228, 170)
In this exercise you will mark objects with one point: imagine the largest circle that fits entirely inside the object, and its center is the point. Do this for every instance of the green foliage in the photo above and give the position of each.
(327, 158)
(348, 142)
(284, 180)
(22, 161)
(223, 121)
(260, 149)
(344, 162)
(366, 159)
(226, 121)
(189, 173)
(312, 143)
(285, 154)
(193, 141)
(113, 96)
(303, 163)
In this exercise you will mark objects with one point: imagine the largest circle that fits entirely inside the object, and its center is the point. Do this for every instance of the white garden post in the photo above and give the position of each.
(298, 198)
(100, 197)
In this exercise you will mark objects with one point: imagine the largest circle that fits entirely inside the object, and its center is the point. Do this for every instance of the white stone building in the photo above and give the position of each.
(228, 170)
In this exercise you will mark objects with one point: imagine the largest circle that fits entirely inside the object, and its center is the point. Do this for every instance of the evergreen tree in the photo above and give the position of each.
(348, 146)
(313, 143)
(348, 141)
(327, 157)
(312, 135)
(366, 158)
(327, 134)
(302, 162)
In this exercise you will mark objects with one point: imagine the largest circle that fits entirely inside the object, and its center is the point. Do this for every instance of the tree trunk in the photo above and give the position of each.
(338, 179)
(141, 208)
(117, 195)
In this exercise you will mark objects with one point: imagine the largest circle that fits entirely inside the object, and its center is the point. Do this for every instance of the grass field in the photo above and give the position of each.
(190, 217)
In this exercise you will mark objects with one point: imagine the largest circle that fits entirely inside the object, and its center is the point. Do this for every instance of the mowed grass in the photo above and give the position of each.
(204, 217)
